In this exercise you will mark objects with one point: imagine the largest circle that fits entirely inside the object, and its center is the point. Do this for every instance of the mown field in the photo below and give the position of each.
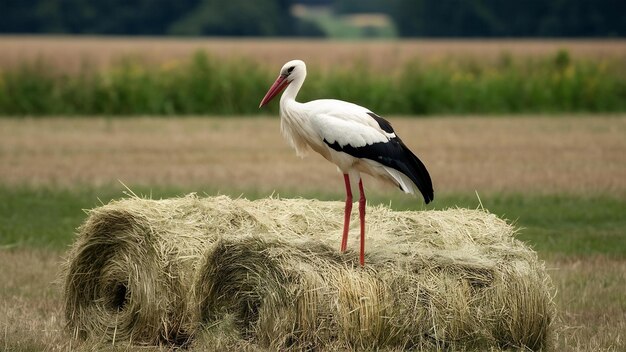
(561, 179)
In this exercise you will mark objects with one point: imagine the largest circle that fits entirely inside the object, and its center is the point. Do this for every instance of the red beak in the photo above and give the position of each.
(278, 86)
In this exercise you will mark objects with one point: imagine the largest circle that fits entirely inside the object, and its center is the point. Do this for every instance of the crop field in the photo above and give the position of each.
(70, 54)
(532, 130)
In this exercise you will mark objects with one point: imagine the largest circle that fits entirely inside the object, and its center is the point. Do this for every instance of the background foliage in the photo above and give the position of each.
(424, 18)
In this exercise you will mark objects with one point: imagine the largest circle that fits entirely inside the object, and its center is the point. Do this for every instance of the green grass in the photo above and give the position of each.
(204, 85)
(560, 225)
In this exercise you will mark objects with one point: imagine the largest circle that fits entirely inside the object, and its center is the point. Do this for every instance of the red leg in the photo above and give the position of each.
(347, 212)
(362, 220)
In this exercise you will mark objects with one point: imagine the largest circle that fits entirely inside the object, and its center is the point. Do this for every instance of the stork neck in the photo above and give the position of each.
(292, 90)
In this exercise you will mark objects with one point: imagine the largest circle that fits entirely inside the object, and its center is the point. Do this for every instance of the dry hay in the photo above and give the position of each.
(129, 272)
(154, 271)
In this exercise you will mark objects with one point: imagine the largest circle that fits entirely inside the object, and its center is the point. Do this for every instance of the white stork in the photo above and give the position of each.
(350, 136)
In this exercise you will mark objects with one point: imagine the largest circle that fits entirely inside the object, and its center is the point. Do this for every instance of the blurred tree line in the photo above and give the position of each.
(503, 18)
(148, 17)
(413, 18)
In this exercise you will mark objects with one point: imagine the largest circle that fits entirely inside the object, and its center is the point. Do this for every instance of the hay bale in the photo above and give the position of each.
(129, 274)
(151, 271)
(455, 279)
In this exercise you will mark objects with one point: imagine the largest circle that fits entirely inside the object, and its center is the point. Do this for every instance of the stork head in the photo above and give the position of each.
(292, 70)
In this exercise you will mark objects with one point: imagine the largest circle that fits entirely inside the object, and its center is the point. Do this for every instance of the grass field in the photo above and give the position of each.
(561, 179)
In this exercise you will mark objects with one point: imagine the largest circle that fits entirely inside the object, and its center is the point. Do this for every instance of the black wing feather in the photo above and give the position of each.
(382, 123)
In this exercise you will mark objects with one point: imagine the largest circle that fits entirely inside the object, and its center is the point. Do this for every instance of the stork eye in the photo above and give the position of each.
(290, 69)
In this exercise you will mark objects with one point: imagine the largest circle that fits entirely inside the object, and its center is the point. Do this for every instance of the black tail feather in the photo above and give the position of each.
(418, 174)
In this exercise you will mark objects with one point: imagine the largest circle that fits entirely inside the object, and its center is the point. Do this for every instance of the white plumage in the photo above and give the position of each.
(350, 136)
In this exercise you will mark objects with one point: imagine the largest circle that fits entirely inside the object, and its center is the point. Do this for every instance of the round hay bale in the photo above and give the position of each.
(129, 273)
(282, 295)
(151, 271)
(433, 279)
